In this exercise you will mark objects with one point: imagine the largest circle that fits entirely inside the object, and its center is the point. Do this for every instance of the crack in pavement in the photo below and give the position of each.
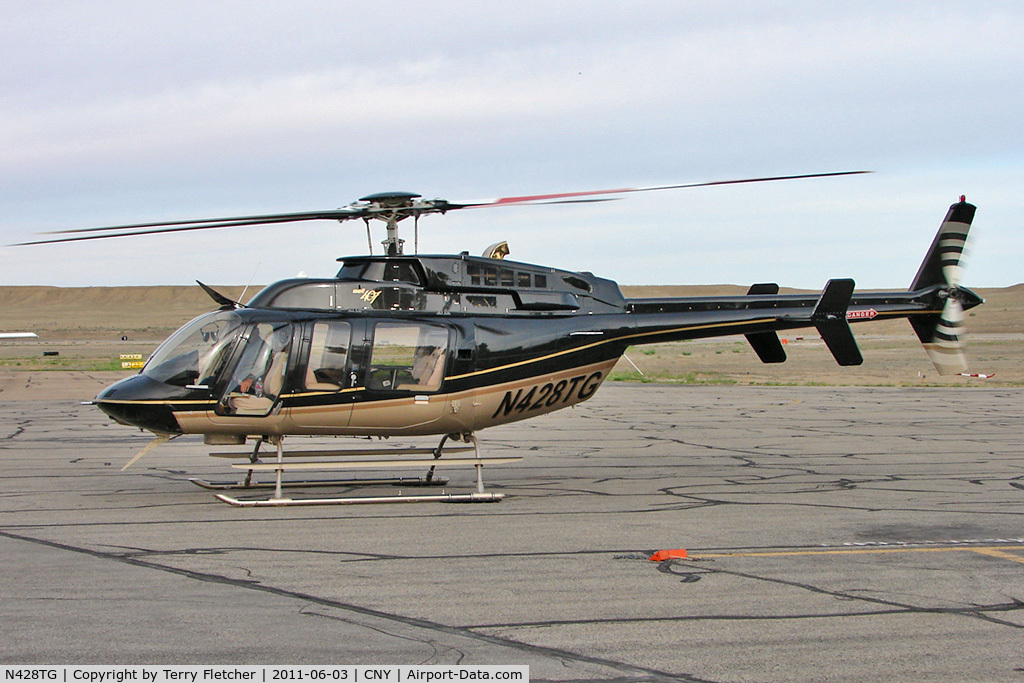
(636, 672)
(889, 607)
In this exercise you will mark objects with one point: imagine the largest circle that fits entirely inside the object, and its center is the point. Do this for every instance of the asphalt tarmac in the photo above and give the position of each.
(853, 534)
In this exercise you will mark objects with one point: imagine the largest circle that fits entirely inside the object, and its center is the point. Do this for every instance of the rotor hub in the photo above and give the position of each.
(391, 199)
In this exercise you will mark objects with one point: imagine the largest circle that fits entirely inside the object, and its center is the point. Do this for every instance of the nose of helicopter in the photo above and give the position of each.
(141, 401)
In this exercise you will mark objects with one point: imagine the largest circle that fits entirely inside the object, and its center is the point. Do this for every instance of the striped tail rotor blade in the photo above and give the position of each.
(953, 241)
(953, 258)
(946, 348)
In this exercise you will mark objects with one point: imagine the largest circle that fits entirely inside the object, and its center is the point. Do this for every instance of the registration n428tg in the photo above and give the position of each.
(549, 395)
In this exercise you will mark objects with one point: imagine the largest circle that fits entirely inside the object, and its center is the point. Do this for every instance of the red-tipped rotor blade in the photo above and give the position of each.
(550, 198)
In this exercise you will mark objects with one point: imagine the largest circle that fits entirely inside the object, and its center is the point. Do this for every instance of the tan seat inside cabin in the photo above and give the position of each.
(247, 403)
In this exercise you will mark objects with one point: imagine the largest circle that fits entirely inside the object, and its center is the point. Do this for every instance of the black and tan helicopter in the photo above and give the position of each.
(448, 345)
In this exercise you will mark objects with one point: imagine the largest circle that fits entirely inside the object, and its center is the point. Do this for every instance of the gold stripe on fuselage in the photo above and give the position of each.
(620, 339)
(462, 411)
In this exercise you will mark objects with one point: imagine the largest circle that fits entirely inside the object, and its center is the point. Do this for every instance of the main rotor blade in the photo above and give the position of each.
(184, 226)
(374, 206)
(261, 218)
(547, 198)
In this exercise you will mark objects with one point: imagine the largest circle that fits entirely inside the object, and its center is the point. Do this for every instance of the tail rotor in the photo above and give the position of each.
(946, 350)
(943, 334)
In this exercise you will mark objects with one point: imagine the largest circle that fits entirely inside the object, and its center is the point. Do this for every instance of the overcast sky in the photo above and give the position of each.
(116, 112)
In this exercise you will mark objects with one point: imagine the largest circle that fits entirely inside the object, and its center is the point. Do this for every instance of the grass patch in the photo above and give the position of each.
(60, 363)
(669, 378)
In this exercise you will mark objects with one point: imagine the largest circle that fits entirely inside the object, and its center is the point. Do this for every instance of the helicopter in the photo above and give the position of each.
(402, 345)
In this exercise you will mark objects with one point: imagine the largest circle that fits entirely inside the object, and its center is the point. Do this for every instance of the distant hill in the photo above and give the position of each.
(154, 312)
(105, 312)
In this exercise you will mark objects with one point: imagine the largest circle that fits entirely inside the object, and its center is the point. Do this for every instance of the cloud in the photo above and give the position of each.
(121, 111)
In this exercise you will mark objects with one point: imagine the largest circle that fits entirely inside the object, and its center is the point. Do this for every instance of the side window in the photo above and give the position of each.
(328, 356)
(473, 270)
(407, 357)
(258, 378)
(315, 295)
(401, 271)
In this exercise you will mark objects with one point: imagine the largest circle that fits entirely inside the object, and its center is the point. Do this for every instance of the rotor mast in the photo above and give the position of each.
(393, 207)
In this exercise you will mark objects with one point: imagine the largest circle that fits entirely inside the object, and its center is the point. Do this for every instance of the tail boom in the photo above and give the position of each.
(934, 304)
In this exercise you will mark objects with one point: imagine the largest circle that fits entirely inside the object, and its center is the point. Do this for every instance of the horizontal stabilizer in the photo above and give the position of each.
(766, 344)
(834, 300)
(829, 318)
(839, 339)
(767, 347)
(769, 288)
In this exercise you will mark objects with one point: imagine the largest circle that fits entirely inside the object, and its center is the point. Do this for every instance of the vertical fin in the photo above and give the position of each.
(942, 333)
(941, 265)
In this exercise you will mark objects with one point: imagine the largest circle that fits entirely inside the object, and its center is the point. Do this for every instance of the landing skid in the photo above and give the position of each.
(367, 500)
(314, 483)
(279, 467)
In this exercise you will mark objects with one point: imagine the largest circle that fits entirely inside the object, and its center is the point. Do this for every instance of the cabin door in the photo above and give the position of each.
(326, 381)
(403, 373)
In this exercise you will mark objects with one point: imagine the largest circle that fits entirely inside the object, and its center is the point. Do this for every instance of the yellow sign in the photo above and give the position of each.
(131, 356)
(132, 364)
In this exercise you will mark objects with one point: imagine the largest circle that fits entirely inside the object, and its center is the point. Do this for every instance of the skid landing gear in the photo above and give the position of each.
(405, 482)
(389, 461)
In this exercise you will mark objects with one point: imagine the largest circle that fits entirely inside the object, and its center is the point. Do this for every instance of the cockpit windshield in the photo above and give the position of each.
(195, 353)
